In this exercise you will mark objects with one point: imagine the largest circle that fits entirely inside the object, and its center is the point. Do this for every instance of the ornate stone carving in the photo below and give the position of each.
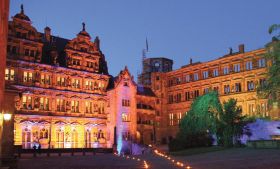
(17, 102)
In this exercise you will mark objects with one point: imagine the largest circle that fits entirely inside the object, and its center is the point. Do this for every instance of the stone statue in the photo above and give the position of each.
(17, 102)
(36, 102)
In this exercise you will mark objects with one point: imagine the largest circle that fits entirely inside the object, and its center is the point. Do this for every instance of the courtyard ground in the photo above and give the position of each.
(236, 158)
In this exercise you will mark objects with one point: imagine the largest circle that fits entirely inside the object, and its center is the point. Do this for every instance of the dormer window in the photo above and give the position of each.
(125, 84)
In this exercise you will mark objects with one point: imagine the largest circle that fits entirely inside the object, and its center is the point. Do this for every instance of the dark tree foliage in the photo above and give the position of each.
(231, 124)
(271, 89)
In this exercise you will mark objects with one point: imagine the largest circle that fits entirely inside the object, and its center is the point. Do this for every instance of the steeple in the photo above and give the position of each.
(21, 15)
(84, 32)
(21, 9)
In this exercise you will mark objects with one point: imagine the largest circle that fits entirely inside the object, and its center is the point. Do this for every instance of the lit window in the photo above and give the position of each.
(75, 106)
(27, 76)
(60, 105)
(125, 117)
(75, 83)
(27, 102)
(171, 118)
(9, 74)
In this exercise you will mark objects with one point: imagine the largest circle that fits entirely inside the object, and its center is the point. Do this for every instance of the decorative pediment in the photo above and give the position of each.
(75, 97)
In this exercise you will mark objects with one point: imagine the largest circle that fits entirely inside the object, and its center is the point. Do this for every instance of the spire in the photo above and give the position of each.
(21, 9)
(147, 46)
(84, 26)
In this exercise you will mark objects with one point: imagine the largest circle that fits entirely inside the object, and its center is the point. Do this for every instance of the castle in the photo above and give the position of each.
(64, 97)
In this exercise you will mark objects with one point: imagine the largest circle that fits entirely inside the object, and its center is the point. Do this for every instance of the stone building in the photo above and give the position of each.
(235, 75)
(58, 87)
(150, 65)
(62, 95)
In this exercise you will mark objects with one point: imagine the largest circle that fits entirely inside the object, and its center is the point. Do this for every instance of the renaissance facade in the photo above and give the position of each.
(62, 95)
(236, 75)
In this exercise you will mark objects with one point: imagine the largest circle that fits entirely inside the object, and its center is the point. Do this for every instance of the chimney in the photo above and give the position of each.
(241, 48)
(48, 33)
(190, 61)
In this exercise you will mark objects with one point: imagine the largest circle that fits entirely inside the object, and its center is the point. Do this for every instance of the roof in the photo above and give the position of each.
(145, 91)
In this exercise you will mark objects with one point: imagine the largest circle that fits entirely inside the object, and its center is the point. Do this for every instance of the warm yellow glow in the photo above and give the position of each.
(7, 116)
(188, 167)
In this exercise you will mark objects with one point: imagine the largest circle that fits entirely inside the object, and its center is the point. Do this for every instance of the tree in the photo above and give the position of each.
(231, 124)
(202, 115)
(271, 89)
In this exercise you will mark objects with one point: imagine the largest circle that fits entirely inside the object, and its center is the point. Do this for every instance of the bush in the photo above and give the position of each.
(200, 139)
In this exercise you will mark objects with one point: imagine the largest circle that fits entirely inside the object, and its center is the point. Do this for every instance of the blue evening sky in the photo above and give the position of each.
(177, 29)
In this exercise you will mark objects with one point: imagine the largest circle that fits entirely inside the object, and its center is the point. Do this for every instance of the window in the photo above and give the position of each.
(249, 65)
(205, 74)
(14, 50)
(170, 99)
(89, 85)
(215, 72)
(75, 83)
(250, 85)
(75, 106)
(251, 109)
(60, 105)
(125, 117)
(187, 78)
(27, 102)
(9, 74)
(178, 80)
(90, 64)
(44, 103)
(226, 89)
(45, 79)
(263, 83)
(43, 133)
(89, 107)
(27, 76)
(125, 84)
(226, 70)
(171, 118)
(262, 62)
(237, 87)
(157, 78)
(187, 96)
(125, 103)
(195, 76)
(179, 117)
(236, 68)
(60, 81)
(178, 97)
(206, 90)
(196, 93)
(216, 88)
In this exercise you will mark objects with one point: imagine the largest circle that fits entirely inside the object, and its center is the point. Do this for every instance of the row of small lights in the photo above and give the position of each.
(133, 158)
(178, 163)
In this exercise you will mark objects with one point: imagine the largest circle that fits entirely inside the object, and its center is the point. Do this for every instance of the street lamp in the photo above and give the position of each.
(7, 116)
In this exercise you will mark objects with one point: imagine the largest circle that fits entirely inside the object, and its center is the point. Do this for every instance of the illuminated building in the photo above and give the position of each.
(64, 97)
(235, 75)
(58, 87)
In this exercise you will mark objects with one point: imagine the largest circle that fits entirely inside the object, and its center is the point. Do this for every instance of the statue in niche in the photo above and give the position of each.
(37, 77)
(17, 102)
(68, 106)
(37, 103)
(68, 81)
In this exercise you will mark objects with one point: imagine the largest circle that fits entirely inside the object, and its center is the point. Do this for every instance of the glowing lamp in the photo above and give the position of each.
(7, 117)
